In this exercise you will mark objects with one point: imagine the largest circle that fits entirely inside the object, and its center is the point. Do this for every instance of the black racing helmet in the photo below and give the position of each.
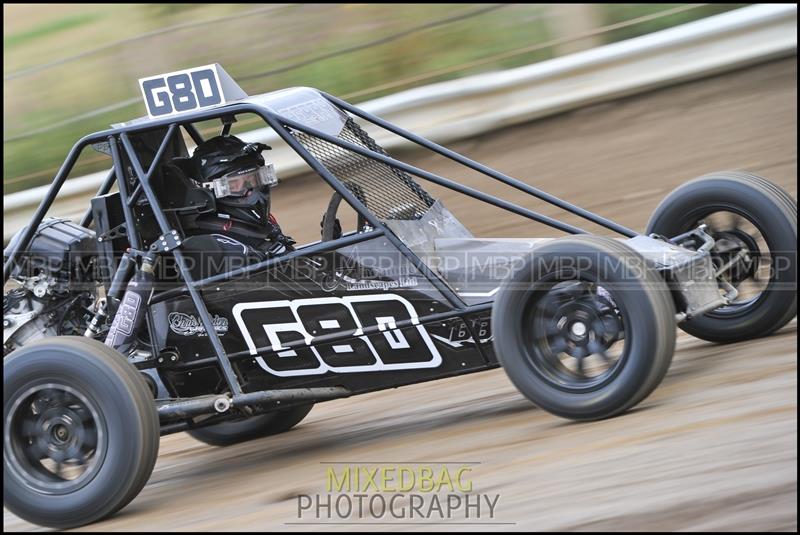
(240, 179)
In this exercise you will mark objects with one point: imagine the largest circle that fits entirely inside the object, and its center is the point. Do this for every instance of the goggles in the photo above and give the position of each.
(238, 183)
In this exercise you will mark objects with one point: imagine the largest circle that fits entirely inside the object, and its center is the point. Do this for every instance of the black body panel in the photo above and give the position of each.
(333, 315)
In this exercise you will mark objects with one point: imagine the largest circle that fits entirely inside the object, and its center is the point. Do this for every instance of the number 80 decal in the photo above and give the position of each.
(181, 91)
(268, 325)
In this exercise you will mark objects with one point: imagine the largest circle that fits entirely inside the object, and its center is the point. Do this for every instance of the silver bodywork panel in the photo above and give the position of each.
(475, 267)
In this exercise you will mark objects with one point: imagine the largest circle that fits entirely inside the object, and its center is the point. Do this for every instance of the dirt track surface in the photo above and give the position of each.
(714, 448)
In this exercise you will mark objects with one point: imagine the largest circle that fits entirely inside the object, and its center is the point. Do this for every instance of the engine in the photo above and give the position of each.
(56, 284)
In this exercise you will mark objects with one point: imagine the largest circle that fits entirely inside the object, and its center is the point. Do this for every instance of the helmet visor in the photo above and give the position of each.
(238, 183)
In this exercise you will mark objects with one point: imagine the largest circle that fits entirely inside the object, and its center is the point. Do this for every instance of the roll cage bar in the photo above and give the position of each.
(119, 142)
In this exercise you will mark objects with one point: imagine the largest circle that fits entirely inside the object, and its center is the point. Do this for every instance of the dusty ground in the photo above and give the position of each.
(714, 448)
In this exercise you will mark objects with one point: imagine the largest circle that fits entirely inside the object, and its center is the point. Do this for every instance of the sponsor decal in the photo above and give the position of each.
(126, 315)
(225, 240)
(460, 335)
(343, 279)
(189, 325)
(122, 326)
(356, 285)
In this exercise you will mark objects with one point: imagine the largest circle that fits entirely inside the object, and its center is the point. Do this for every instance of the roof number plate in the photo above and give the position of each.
(187, 90)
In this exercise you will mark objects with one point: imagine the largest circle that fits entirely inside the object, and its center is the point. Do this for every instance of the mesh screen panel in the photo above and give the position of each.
(386, 191)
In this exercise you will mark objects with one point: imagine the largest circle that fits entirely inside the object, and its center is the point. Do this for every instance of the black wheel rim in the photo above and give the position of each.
(574, 334)
(54, 438)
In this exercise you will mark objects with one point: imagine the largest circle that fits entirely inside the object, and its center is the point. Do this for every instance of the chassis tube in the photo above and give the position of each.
(488, 171)
(436, 179)
(321, 170)
(202, 310)
(196, 136)
(320, 247)
(122, 185)
(353, 201)
(181, 409)
(44, 206)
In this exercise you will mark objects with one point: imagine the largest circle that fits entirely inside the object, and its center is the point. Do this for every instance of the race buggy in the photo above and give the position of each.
(151, 315)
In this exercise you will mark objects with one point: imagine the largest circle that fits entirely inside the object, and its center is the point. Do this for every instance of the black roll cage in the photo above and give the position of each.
(118, 140)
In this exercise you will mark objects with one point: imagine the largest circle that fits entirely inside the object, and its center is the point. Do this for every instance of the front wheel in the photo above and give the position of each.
(585, 329)
(754, 223)
(81, 432)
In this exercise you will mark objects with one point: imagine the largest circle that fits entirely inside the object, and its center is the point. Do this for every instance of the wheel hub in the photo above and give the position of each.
(575, 327)
(53, 438)
(735, 244)
(60, 432)
(578, 329)
(584, 326)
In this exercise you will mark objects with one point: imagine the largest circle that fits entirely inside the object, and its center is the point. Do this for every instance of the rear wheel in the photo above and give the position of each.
(81, 432)
(754, 223)
(261, 425)
(585, 329)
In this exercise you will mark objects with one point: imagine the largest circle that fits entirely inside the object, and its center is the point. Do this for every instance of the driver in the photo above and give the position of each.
(241, 181)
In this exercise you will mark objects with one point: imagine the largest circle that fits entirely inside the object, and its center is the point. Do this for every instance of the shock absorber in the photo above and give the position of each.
(97, 320)
(109, 305)
(132, 308)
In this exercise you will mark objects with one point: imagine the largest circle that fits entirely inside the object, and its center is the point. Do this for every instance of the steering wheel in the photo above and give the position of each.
(331, 228)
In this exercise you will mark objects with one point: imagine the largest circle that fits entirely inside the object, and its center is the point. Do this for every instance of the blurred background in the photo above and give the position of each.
(71, 69)
(715, 446)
